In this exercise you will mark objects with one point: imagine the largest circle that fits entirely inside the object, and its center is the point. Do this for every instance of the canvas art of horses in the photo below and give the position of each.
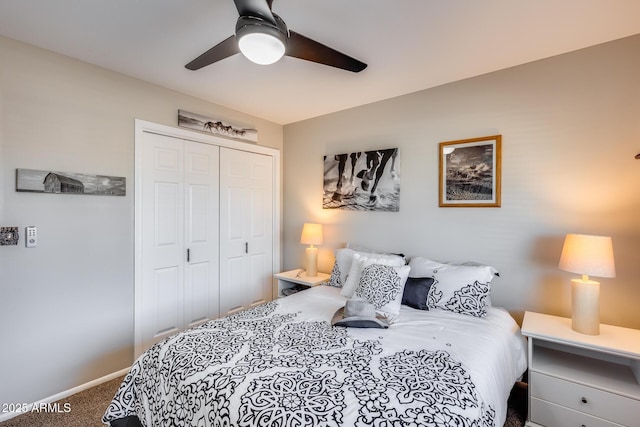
(362, 181)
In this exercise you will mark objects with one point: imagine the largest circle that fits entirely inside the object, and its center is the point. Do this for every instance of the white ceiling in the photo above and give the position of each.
(409, 45)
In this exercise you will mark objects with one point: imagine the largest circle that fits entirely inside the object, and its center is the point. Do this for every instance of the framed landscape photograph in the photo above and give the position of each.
(46, 181)
(470, 172)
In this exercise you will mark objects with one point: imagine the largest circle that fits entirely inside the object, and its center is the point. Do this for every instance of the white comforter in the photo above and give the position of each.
(283, 364)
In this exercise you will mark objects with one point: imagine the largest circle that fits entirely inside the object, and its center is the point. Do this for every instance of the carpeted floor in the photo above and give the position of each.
(87, 408)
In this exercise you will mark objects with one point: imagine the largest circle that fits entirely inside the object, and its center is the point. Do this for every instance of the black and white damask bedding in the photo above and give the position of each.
(283, 364)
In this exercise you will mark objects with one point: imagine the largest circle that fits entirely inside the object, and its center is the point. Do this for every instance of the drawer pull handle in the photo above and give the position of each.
(583, 400)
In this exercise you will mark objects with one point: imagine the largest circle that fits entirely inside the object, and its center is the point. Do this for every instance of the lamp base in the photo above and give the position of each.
(312, 262)
(585, 310)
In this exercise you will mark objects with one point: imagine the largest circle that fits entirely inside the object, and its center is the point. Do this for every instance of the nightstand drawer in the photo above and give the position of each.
(549, 415)
(601, 404)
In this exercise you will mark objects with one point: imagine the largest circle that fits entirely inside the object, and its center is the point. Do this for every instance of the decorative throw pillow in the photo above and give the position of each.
(382, 286)
(344, 257)
(461, 289)
(416, 291)
(360, 260)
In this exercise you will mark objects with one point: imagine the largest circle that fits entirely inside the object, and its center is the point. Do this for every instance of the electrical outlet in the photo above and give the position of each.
(9, 236)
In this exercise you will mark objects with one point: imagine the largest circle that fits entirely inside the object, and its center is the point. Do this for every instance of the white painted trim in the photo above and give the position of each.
(59, 396)
(191, 135)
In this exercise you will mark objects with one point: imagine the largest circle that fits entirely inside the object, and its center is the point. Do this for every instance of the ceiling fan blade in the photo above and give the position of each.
(255, 8)
(220, 51)
(303, 47)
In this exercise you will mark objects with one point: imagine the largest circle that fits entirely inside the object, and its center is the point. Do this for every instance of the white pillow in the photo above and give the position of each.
(421, 267)
(360, 248)
(461, 289)
(383, 286)
(357, 265)
(344, 257)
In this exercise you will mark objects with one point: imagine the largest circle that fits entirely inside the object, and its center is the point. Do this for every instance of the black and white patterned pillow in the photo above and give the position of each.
(336, 277)
(361, 260)
(461, 289)
(382, 286)
(344, 257)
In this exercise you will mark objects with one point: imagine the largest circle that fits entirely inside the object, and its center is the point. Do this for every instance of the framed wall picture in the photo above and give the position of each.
(216, 126)
(470, 172)
(45, 181)
(362, 181)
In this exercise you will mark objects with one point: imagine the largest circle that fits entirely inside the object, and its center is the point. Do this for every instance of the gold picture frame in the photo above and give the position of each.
(470, 172)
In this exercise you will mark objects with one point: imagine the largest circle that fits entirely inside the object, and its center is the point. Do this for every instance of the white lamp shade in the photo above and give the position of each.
(311, 234)
(588, 255)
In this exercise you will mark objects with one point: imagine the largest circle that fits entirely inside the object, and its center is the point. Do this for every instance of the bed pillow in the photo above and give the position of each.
(421, 266)
(342, 265)
(360, 248)
(416, 290)
(461, 289)
(358, 264)
(365, 249)
(344, 257)
(382, 286)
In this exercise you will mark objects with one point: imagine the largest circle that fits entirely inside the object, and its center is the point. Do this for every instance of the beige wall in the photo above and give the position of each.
(66, 307)
(570, 129)
(570, 132)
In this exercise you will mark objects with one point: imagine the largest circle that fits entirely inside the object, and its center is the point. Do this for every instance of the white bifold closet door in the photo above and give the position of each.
(246, 230)
(180, 237)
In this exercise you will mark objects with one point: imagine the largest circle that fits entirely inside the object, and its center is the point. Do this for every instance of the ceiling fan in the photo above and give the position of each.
(263, 37)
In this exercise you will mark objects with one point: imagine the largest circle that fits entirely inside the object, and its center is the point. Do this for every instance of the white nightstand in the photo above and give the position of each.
(581, 380)
(289, 279)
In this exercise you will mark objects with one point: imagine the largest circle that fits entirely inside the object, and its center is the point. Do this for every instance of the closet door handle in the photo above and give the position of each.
(188, 255)
(246, 247)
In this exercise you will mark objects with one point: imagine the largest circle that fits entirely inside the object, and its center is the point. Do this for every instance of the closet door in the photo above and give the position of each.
(162, 251)
(179, 241)
(246, 230)
(201, 164)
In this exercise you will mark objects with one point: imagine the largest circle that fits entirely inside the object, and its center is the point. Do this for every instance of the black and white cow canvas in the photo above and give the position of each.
(367, 180)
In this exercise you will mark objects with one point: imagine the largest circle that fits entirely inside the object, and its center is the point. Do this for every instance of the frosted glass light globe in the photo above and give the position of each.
(263, 49)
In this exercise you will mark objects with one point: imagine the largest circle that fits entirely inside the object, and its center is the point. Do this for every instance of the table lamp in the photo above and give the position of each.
(588, 256)
(311, 235)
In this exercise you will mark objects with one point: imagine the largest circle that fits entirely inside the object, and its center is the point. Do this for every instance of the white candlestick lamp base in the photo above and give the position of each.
(312, 262)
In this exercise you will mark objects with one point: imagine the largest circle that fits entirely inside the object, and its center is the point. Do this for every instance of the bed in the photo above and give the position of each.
(284, 364)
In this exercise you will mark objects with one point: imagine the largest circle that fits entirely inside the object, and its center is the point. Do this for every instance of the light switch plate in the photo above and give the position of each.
(9, 236)
(31, 236)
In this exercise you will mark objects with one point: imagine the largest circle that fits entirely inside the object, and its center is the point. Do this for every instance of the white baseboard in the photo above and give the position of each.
(59, 396)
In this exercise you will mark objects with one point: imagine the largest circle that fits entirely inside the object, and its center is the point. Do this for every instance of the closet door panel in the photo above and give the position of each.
(165, 313)
(162, 239)
(261, 231)
(246, 224)
(234, 274)
(260, 287)
(201, 233)
(234, 289)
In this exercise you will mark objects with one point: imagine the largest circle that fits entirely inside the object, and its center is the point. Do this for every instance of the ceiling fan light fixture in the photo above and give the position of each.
(261, 41)
(263, 37)
(261, 48)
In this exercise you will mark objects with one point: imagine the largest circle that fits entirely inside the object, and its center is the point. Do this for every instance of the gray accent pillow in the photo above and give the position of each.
(416, 290)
